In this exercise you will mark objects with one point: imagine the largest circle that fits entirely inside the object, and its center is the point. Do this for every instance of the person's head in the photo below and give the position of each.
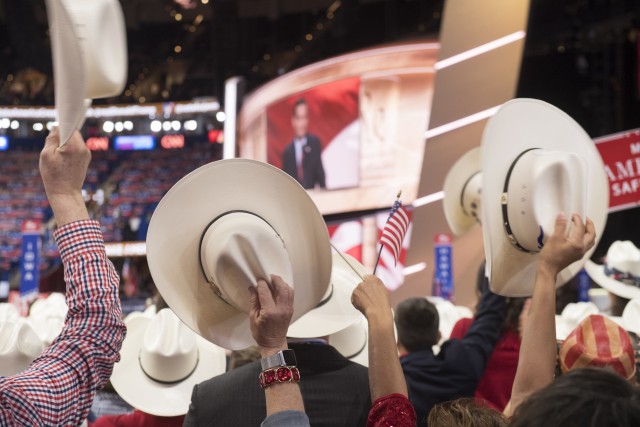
(417, 322)
(599, 342)
(584, 397)
(465, 413)
(300, 118)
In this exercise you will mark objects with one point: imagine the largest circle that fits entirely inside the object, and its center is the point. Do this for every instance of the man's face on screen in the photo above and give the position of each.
(300, 120)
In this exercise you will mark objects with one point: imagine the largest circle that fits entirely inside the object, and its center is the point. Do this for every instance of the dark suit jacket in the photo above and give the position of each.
(312, 167)
(335, 392)
(457, 369)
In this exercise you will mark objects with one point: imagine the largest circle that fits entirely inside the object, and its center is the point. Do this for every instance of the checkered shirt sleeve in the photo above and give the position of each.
(58, 388)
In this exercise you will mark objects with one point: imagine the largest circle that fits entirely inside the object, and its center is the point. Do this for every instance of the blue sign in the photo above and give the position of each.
(30, 259)
(4, 143)
(443, 271)
(584, 283)
(134, 142)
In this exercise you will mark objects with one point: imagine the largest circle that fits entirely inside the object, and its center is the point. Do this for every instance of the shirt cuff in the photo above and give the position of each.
(78, 238)
(286, 419)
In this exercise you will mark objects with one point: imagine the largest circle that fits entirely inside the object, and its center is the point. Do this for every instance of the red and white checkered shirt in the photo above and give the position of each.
(58, 388)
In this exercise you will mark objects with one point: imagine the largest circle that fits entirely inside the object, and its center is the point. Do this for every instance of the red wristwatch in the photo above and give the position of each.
(282, 374)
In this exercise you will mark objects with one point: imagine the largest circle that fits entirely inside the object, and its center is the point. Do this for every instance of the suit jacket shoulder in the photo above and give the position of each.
(335, 392)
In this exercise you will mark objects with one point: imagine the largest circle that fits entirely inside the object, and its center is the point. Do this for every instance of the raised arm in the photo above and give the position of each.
(271, 312)
(536, 364)
(386, 379)
(58, 388)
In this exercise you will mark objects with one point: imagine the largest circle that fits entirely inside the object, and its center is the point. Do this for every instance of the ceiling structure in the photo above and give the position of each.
(581, 55)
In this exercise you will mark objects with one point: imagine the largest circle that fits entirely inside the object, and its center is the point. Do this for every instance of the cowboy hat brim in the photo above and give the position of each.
(519, 125)
(153, 397)
(337, 313)
(89, 50)
(183, 215)
(596, 272)
(457, 177)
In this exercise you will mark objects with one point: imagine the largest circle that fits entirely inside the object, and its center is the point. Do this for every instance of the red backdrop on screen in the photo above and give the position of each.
(332, 107)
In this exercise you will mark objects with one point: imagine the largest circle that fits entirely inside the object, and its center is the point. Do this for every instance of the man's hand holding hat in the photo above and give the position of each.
(63, 170)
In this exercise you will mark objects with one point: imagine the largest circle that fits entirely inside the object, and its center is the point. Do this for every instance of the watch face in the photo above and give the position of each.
(289, 358)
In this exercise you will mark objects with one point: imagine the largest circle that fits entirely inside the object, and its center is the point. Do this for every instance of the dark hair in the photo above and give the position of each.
(417, 322)
(618, 304)
(514, 305)
(465, 412)
(299, 102)
(582, 397)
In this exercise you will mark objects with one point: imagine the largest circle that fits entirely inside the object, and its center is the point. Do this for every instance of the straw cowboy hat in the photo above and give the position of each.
(463, 193)
(19, 346)
(571, 316)
(598, 342)
(536, 162)
(89, 49)
(620, 273)
(161, 360)
(223, 227)
(335, 311)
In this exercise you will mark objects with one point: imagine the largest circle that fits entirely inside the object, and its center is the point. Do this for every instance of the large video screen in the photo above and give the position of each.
(314, 136)
(349, 129)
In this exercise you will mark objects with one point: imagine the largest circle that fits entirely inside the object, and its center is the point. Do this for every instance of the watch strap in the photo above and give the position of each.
(282, 358)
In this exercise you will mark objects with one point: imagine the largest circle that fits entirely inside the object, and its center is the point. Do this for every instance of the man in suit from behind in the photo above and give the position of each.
(302, 157)
(334, 389)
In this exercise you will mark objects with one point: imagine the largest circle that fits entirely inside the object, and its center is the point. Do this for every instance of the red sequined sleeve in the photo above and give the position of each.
(393, 410)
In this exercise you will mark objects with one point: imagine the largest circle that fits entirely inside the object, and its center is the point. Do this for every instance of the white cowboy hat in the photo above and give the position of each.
(631, 316)
(19, 346)
(463, 193)
(47, 316)
(89, 49)
(571, 316)
(335, 311)
(353, 341)
(161, 360)
(223, 227)
(620, 273)
(536, 162)
(8, 312)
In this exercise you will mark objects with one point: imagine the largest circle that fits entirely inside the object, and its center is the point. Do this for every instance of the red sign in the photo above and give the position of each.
(216, 135)
(621, 156)
(98, 143)
(31, 226)
(172, 141)
(442, 238)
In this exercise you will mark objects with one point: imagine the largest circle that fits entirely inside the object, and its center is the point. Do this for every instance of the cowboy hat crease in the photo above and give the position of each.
(91, 34)
(536, 162)
(161, 361)
(223, 227)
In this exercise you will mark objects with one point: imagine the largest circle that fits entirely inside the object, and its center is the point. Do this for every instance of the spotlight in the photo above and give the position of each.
(166, 126)
(176, 125)
(15, 124)
(119, 126)
(128, 125)
(156, 126)
(5, 123)
(38, 127)
(221, 116)
(191, 125)
(50, 125)
(108, 126)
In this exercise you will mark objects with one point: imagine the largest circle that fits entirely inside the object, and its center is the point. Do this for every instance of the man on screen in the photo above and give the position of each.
(302, 157)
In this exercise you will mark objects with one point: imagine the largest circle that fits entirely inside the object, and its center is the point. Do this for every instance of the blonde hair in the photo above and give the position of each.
(465, 413)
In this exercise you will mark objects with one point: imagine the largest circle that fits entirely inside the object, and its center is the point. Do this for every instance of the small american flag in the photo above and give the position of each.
(395, 229)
